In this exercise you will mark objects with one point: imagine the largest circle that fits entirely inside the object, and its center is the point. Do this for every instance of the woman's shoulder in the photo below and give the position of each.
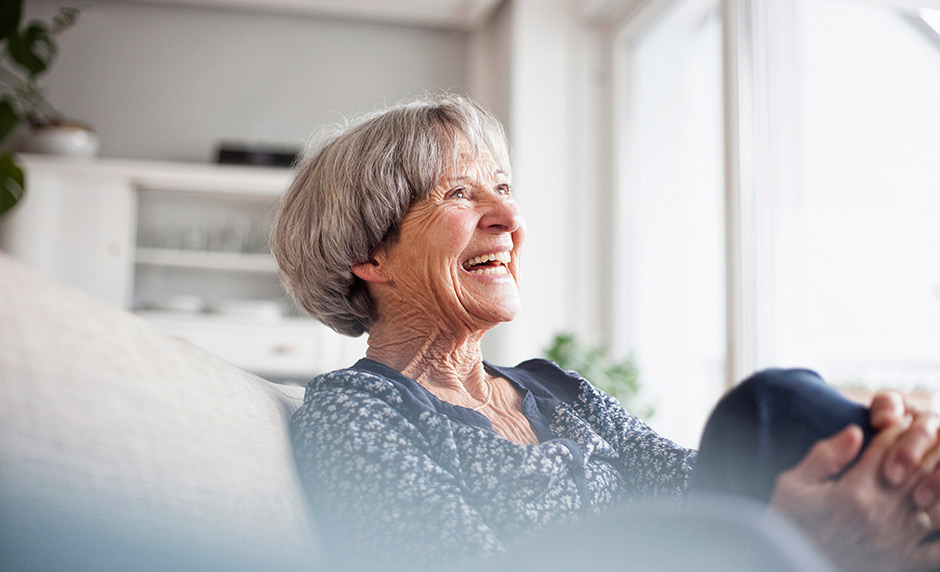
(545, 378)
(347, 395)
(365, 392)
(352, 410)
(350, 381)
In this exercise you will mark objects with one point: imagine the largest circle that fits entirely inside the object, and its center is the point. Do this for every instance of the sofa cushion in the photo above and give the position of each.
(106, 419)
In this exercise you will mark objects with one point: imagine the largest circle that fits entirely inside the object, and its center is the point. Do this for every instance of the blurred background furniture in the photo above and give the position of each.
(184, 245)
(122, 448)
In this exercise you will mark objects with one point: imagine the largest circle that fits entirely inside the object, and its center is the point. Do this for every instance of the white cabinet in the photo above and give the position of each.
(76, 225)
(184, 246)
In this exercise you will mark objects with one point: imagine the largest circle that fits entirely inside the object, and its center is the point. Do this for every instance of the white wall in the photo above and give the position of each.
(166, 82)
(490, 68)
(547, 99)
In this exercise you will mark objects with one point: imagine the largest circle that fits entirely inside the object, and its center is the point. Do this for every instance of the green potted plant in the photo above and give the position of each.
(619, 378)
(27, 50)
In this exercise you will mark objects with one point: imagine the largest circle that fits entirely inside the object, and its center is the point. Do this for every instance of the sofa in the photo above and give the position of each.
(114, 434)
(122, 448)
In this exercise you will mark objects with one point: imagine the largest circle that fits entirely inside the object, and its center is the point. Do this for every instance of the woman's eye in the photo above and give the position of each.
(458, 194)
(503, 190)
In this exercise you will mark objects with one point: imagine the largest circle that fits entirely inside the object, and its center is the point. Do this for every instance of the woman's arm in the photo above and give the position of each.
(654, 467)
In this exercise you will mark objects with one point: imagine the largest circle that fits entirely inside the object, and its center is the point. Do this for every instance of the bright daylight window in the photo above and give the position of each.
(846, 222)
(865, 309)
(671, 273)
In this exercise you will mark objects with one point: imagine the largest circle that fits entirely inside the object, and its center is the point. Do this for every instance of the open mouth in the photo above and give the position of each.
(493, 263)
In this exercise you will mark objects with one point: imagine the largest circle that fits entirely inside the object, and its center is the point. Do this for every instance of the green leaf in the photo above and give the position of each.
(8, 118)
(11, 11)
(64, 19)
(33, 49)
(619, 378)
(12, 183)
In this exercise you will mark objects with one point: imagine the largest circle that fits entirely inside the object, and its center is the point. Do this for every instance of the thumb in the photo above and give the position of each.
(831, 456)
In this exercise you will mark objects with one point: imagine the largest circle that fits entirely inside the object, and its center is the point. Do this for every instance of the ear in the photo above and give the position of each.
(371, 271)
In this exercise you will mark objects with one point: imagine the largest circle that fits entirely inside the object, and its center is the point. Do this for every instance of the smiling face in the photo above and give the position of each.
(455, 263)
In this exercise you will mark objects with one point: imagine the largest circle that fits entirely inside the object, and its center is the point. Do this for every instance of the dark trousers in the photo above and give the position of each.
(765, 426)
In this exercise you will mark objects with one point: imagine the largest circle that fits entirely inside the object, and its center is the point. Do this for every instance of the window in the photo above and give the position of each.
(671, 232)
(779, 188)
(864, 244)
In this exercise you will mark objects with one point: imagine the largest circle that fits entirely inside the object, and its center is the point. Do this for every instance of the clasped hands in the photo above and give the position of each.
(876, 514)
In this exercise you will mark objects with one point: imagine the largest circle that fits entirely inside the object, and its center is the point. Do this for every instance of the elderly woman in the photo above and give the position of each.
(403, 225)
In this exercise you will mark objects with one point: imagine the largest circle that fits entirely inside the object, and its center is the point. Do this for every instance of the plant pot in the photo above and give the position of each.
(62, 139)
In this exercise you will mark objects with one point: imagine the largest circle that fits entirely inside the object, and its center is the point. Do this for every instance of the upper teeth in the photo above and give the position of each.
(497, 256)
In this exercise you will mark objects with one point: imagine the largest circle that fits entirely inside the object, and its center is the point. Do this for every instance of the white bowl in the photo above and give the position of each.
(71, 140)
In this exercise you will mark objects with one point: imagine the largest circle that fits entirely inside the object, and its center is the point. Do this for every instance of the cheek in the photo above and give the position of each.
(457, 225)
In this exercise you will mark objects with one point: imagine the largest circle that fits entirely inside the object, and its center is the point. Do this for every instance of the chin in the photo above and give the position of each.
(498, 315)
(507, 314)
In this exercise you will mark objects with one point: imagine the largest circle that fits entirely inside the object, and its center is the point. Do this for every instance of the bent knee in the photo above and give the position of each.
(773, 381)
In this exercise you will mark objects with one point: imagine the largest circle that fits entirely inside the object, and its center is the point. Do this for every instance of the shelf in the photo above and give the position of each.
(209, 320)
(152, 234)
(206, 260)
(296, 348)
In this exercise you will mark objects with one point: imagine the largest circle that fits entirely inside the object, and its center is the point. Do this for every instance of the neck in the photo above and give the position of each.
(432, 357)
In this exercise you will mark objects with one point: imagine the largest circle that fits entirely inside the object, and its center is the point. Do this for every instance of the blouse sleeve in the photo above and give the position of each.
(654, 467)
(376, 487)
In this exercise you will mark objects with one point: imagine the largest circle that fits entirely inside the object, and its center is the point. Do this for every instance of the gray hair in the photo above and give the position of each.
(352, 190)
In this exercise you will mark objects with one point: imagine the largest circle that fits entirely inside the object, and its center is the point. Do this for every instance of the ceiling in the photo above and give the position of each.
(460, 14)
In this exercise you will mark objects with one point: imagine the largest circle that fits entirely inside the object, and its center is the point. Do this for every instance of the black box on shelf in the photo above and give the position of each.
(241, 154)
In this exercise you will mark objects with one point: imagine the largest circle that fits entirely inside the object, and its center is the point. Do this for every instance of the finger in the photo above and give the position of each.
(870, 462)
(830, 456)
(910, 448)
(926, 490)
(887, 408)
(933, 514)
(929, 520)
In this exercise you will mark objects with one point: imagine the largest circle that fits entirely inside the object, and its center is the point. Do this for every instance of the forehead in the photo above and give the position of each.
(468, 163)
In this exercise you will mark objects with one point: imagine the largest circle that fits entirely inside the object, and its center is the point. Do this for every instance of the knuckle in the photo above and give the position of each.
(923, 429)
(931, 481)
(905, 455)
(932, 422)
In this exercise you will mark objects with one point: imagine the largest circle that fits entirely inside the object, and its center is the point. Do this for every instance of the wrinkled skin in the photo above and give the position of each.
(867, 518)
(435, 303)
(421, 279)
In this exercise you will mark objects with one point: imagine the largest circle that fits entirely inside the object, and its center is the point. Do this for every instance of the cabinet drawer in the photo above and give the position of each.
(290, 349)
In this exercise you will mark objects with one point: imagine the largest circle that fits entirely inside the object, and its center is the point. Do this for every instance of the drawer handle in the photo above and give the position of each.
(282, 349)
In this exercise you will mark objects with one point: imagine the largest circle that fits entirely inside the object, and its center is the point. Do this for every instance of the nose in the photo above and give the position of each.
(501, 213)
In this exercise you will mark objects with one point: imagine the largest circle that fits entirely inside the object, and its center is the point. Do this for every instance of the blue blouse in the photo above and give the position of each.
(397, 477)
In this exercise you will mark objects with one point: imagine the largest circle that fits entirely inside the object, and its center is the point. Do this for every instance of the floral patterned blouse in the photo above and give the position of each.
(398, 478)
